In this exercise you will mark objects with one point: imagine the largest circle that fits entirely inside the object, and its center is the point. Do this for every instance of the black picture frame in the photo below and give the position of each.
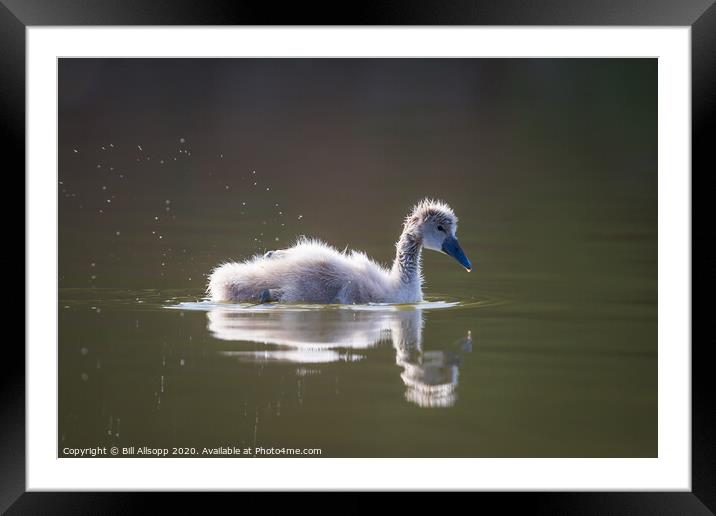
(700, 15)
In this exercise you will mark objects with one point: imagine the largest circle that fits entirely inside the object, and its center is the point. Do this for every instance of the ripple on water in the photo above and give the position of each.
(193, 300)
(205, 306)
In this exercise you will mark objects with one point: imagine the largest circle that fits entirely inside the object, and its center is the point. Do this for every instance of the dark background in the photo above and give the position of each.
(347, 145)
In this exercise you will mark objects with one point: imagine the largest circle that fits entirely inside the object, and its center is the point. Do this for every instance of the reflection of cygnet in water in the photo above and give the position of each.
(430, 376)
(320, 336)
(312, 336)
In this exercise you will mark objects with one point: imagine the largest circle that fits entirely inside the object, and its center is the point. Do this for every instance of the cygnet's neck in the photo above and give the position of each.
(407, 258)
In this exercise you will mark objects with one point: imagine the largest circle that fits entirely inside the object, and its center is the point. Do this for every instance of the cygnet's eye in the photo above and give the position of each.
(440, 228)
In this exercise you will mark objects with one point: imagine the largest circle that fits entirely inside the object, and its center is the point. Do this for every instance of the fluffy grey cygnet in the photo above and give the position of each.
(314, 272)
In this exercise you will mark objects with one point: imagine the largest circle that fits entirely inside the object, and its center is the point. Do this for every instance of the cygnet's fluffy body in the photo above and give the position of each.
(314, 272)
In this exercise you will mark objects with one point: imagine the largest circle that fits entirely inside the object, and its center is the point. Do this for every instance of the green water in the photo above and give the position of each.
(548, 348)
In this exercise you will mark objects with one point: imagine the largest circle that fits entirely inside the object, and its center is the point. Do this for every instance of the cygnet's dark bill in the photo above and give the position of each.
(452, 248)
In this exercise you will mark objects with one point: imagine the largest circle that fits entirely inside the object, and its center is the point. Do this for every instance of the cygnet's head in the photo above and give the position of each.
(435, 224)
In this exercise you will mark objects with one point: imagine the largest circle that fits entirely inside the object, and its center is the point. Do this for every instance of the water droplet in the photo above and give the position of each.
(84, 351)
(167, 201)
(75, 150)
(92, 264)
(161, 162)
(139, 147)
(104, 188)
(300, 217)
(267, 189)
(227, 187)
(99, 166)
(84, 377)
(276, 239)
(182, 140)
(111, 145)
(117, 233)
